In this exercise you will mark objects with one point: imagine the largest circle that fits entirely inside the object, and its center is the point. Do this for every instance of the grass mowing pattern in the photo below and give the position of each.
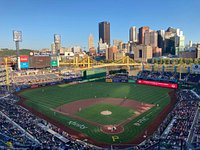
(57, 95)
(93, 113)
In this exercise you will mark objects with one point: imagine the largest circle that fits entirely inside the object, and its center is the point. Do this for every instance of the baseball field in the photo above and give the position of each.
(107, 113)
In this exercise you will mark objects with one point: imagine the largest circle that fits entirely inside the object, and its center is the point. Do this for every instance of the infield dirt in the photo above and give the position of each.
(70, 109)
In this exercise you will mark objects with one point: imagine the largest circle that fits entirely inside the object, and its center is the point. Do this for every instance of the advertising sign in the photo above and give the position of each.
(34, 86)
(17, 36)
(23, 58)
(195, 68)
(54, 63)
(109, 80)
(24, 65)
(161, 84)
(131, 81)
(39, 61)
(57, 38)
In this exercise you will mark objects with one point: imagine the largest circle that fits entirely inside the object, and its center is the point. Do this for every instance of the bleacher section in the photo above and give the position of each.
(118, 77)
(173, 77)
(20, 129)
(196, 133)
(34, 79)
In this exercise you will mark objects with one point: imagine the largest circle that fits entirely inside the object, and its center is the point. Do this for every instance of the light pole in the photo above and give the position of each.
(17, 37)
(57, 41)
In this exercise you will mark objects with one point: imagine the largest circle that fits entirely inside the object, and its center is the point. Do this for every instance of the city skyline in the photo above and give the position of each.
(75, 20)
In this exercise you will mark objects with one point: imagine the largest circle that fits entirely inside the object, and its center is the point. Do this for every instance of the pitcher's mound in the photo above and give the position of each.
(106, 112)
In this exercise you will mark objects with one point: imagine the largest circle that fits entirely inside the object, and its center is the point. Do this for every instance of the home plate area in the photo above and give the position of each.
(112, 129)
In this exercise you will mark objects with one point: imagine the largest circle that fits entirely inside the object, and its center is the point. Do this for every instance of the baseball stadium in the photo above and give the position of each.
(99, 75)
(98, 107)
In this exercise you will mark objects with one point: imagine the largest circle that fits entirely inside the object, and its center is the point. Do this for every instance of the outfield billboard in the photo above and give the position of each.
(131, 81)
(24, 58)
(24, 65)
(161, 84)
(39, 61)
(54, 63)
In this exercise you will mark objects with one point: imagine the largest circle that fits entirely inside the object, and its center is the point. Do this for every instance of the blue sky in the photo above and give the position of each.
(74, 20)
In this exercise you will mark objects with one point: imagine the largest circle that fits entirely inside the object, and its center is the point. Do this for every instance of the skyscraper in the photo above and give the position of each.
(142, 30)
(90, 41)
(104, 32)
(111, 53)
(118, 43)
(151, 38)
(161, 38)
(198, 50)
(133, 34)
(174, 41)
(169, 43)
(53, 49)
(190, 43)
(102, 47)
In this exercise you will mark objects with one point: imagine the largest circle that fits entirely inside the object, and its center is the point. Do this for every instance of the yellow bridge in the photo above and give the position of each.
(87, 63)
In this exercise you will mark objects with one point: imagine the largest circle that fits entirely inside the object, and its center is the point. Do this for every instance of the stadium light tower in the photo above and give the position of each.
(17, 37)
(57, 41)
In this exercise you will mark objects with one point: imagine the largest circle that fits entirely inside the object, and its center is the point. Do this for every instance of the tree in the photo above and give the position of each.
(156, 61)
(191, 60)
(186, 60)
(167, 61)
(172, 61)
(152, 61)
(196, 61)
(183, 60)
(180, 61)
(176, 61)
(161, 61)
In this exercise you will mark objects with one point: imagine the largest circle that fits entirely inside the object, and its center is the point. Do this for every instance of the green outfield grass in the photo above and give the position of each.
(45, 99)
(93, 113)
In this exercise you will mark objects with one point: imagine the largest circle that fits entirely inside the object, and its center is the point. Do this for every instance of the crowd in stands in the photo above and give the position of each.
(118, 77)
(182, 122)
(196, 132)
(158, 75)
(175, 131)
(169, 76)
(2, 75)
(35, 79)
(192, 78)
(186, 94)
(22, 129)
(10, 133)
(71, 76)
(38, 77)
(197, 91)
